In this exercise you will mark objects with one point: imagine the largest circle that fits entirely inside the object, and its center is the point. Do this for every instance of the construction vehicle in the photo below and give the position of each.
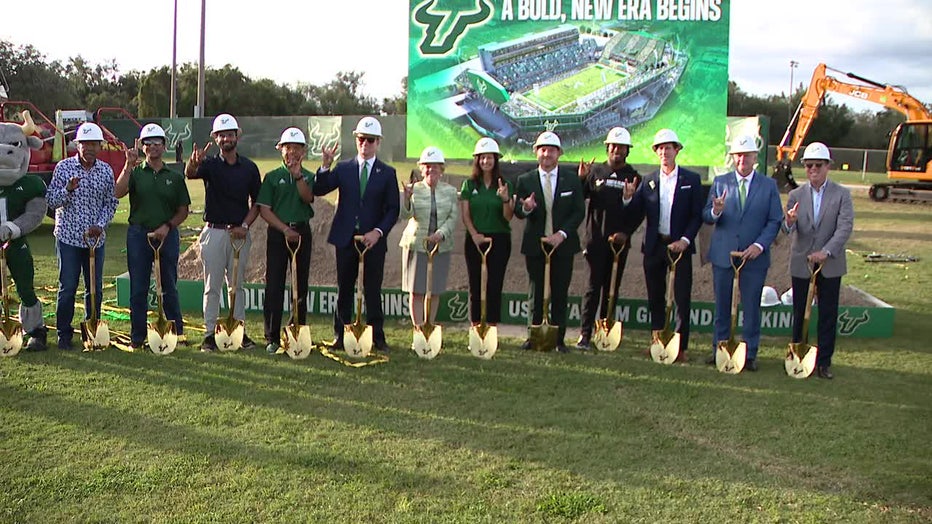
(908, 154)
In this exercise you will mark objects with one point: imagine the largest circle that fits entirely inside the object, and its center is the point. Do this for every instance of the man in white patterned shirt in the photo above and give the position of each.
(81, 193)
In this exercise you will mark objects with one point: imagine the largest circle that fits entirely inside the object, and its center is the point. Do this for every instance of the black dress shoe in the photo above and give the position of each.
(337, 343)
(825, 372)
(751, 364)
(561, 348)
(583, 344)
(710, 360)
(526, 345)
(383, 347)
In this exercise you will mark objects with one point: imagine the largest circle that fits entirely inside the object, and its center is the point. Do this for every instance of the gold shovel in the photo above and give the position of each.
(802, 367)
(296, 339)
(608, 331)
(544, 335)
(162, 337)
(11, 332)
(665, 343)
(94, 332)
(357, 337)
(428, 338)
(228, 333)
(730, 354)
(483, 339)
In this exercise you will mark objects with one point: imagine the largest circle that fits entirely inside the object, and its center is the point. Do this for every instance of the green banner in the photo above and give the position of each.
(858, 322)
(510, 69)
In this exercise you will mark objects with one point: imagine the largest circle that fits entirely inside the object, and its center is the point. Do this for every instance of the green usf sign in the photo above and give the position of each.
(858, 322)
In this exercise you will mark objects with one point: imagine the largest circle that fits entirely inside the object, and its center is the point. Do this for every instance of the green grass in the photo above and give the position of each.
(558, 94)
(526, 437)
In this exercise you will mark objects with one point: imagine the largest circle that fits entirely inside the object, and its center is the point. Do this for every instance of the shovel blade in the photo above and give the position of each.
(607, 335)
(357, 340)
(229, 337)
(544, 337)
(797, 367)
(427, 341)
(162, 339)
(11, 340)
(483, 341)
(95, 335)
(728, 360)
(297, 342)
(665, 352)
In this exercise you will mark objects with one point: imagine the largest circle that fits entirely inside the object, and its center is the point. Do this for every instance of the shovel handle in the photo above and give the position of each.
(237, 244)
(431, 251)
(616, 247)
(674, 260)
(485, 251)
(357, 241)
(91, 242)
(546, 248)
(737, 255)
(293, 248)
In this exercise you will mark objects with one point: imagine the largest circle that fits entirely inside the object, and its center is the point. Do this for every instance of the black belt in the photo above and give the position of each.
(219, 225)
(297, 225)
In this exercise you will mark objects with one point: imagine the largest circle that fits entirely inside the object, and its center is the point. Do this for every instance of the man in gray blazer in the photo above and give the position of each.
(821, 215)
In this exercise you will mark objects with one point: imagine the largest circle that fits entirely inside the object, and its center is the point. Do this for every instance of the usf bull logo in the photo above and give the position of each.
(848, 324)
(452, 23)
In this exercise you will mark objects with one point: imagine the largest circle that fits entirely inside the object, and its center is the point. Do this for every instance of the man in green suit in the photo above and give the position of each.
(551, 200)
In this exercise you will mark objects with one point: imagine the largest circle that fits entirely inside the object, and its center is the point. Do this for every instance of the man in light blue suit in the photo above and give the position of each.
(744, 206)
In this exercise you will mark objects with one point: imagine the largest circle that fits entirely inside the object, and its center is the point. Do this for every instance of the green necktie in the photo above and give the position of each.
(743, 192)
(363, 178)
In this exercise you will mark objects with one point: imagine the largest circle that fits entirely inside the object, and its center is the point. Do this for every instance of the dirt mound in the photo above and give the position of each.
(323, 270)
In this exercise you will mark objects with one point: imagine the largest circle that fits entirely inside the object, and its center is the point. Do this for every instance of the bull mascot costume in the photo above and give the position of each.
(22, 208)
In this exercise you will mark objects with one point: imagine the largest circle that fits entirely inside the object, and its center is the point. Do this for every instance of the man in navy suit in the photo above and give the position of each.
(368, 206)
(671, 200)
(745, 209)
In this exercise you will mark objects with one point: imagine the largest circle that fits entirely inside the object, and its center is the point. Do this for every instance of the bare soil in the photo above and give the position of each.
(323, 270)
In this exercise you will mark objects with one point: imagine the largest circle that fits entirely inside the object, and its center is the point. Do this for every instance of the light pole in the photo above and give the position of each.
(173, 101)
(200, 66)
(789, 96)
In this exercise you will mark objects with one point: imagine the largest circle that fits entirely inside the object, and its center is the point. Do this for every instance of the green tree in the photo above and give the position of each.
(32, 77)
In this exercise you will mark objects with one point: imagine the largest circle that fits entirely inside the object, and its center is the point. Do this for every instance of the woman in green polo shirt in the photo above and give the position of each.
(432, 205)
(487, 207)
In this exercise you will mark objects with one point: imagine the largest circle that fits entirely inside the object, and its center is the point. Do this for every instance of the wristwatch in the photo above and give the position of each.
(244, 225)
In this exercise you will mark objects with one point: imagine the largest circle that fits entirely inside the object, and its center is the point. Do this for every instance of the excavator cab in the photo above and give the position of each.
(911, 150)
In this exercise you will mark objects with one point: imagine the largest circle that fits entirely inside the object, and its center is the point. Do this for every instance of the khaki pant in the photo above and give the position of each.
(217, 259)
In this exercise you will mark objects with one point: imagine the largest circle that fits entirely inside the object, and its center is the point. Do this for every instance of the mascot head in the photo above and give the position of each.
(15, 142)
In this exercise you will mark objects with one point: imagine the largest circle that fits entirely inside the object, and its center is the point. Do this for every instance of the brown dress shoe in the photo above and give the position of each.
(825, 372)
(682, 358)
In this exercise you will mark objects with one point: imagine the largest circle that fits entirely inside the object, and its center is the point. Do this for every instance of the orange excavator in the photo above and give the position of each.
(909, 154)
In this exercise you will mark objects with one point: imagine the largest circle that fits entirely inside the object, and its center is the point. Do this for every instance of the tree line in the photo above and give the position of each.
(77, 84)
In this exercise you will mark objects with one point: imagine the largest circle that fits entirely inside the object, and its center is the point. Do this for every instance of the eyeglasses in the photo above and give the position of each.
(150, 143)
(814, 165)
(370, 139)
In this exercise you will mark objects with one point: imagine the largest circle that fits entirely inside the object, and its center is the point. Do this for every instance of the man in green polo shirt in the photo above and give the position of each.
(284, 200)
(158, 204)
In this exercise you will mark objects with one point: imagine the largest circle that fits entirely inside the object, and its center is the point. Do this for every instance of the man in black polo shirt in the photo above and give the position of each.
(231, 187)
(285, 203)
(158, 204)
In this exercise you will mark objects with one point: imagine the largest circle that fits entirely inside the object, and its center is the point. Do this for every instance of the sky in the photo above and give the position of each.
(293, 41)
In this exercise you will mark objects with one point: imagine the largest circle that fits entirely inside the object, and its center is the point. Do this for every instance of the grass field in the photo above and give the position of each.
(559, 94)
(526, 437)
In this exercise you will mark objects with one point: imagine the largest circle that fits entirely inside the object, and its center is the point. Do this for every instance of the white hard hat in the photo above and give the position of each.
(666, 136)
(548, 138)
(292, 135)
(431, 155)
(768, 297)
(89, 132)
(486, 145)
(787, 297)
(151, 131)
(224, 122)
(817, 151)
(368, 126)
(744, 144)
(618, 135)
